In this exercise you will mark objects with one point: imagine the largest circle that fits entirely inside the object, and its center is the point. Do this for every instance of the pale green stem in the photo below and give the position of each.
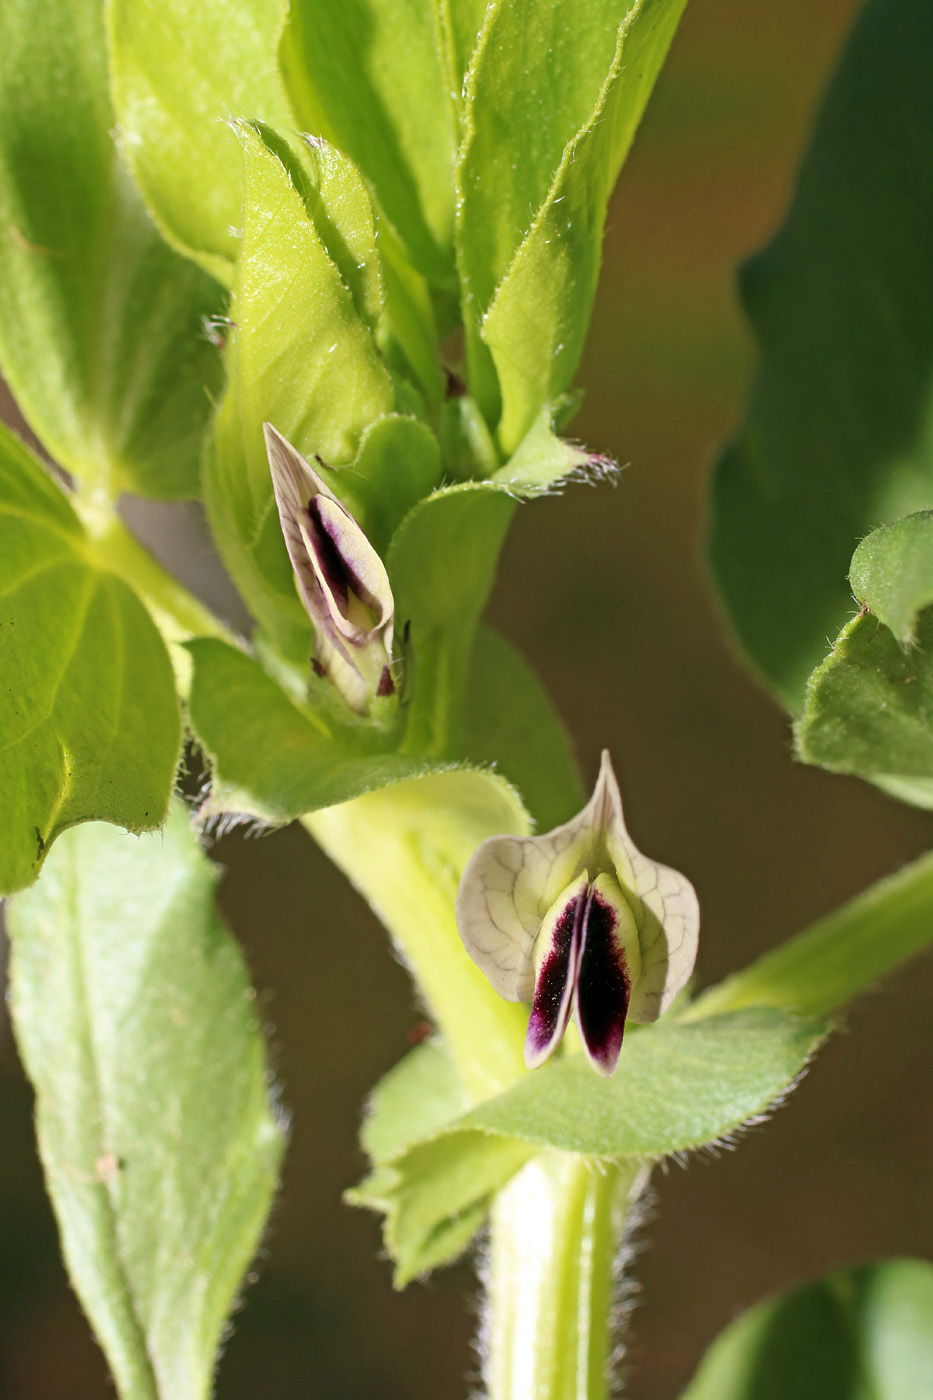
(404, 848)
(178, 614)
(839, 956)
(557, 1226)
(556, 1234)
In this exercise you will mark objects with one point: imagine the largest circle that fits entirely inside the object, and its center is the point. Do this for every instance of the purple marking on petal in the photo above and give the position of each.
(602, 990)
(550, 1009)
(328, 557)
(386, 684)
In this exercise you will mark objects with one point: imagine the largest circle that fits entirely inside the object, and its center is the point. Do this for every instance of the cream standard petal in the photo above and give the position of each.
(664, 903)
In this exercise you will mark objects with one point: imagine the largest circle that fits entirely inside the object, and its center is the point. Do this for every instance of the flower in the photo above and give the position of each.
(579, 922)
(342, 580)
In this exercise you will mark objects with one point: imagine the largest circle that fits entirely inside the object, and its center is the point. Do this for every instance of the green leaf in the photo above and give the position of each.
(892, 572)
(838, 957)
(678, 1087)
(470, 452)
(421, 1095)
(180, 73)
(543, 462)
(273, 757)
(459, 24)
(525, 739)
(442, 563)
(398, 464)
(436, 1202)
(138, 1028)
(838, 435)
(857, 1334)
(408, 335)
(869, 706)
(101, 335)
(342, 210)
(415, 1099)
(301, 358)
(88, 712)
(539, 99)
(369, 75)
(537, 322)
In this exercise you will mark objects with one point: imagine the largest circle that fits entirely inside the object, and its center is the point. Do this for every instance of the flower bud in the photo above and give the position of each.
(579, 923)
(341, 579)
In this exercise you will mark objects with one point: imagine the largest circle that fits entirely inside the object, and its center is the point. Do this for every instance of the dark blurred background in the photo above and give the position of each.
(605, 592)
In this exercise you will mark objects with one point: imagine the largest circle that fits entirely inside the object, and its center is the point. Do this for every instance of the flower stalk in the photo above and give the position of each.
(404, 847)
(549, 1323)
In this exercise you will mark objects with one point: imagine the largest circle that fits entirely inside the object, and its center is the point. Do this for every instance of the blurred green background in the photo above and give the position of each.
(605, 592)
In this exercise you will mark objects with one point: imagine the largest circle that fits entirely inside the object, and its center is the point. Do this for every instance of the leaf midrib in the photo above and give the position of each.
(95, 1087)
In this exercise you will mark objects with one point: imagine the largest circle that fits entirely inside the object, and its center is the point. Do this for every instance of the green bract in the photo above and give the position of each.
(678, 1088)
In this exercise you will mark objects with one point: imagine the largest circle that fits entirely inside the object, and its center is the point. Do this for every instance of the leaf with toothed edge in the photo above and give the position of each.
(678, 1088)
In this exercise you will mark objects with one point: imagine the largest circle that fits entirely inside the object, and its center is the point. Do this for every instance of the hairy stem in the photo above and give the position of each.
(556, 1234)
(178, 614)
(820, 969)
(404, 848)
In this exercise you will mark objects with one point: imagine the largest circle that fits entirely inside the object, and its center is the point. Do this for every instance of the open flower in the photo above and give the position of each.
(342, 580)
(579, 923)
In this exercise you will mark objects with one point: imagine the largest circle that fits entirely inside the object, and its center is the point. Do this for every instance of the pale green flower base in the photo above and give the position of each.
(551, 1277)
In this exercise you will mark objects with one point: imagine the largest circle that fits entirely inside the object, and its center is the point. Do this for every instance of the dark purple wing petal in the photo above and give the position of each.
(603, 984)
(557, 957)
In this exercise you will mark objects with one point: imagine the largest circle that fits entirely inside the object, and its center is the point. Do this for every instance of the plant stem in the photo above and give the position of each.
(556, 1233)
(820, 969)
(177, 613)
(404, 848)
